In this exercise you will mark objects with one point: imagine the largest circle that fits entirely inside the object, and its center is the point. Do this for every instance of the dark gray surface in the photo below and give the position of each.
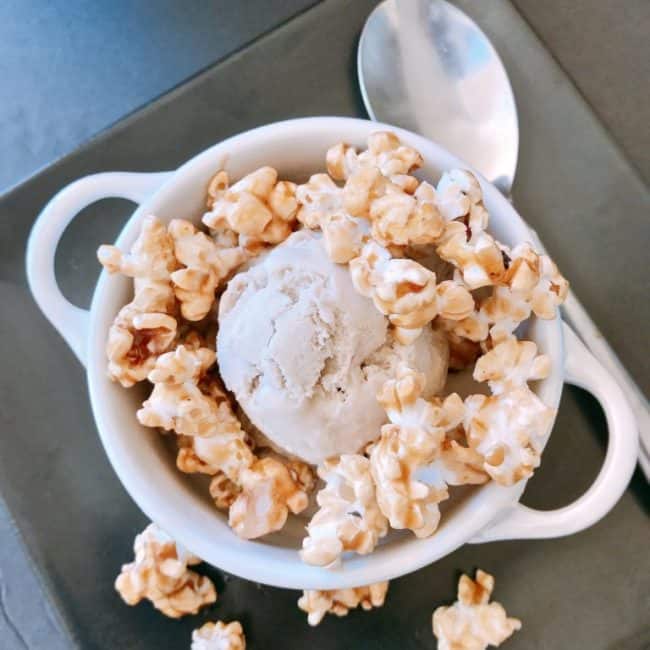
(604, 46)
(69, 68)
(588, 591)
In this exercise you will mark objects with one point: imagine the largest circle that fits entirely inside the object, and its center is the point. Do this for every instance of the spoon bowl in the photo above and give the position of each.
(425, 66)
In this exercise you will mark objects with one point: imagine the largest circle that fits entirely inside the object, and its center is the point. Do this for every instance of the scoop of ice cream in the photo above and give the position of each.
(305, 354)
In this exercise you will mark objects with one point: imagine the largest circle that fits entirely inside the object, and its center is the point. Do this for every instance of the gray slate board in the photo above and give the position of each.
(591, 590)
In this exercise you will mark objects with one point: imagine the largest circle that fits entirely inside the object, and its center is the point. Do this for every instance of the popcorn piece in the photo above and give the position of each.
(160, 574)
(223, 491)
(532, 283)
(206, 266)
(412, 442)
(385, 153)
(472, 623)
(362, 188)
(349, 518)
(474, 252)
(317, 603)
(406, 291)
(342, 236)
(458, 464)
(395, 458)
(151, 258)
(178, 403)
(511, 364)
(459, 195)
(142, 330)
(269, 492)
(219, 636)
(319, 198)
(508, 431)
(464, 242)
(226, 451)
(145, 327)
(256, 207)
(403, 220)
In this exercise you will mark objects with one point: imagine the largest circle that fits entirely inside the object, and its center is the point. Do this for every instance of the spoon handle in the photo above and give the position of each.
(593, 338)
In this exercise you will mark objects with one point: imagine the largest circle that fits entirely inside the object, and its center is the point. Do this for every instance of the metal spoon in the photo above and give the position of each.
(427, 67)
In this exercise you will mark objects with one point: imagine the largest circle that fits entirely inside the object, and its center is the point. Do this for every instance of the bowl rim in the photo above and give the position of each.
(261, 561)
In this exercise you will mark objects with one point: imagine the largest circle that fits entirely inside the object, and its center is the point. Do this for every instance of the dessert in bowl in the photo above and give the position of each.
(311, 326)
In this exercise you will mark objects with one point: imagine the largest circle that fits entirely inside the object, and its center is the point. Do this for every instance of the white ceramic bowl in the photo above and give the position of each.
(145, 465)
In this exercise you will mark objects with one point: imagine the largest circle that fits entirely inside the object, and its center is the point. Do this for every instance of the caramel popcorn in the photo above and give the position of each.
(416, 440)
(226, 451)
(459, 196)
(399, 219)
(205, 267)
(511, 364)
(151, 258)
(407, 291)
(349, 518)
(219, 636)
(339, 602)
(139, 335)
(223, 491)
(475, 253)
(532, 283)
(458, 464)
(319, 198)
(177, 402)
(159, 573)
(385, 153)
(405, 501)
(258, 208)
(268, 493)
(342, 236)
(508, 430)
(146, 327)
(473, 623)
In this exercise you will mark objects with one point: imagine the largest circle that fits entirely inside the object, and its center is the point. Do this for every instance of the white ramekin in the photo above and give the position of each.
(176, 502)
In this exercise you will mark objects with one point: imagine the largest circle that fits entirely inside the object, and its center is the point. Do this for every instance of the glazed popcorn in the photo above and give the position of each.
(458, 464)
(459, 196)
(407, 291)
(508, 430)
(319, 199)
(532, 283)
(219, 636)
(142, 330)
(159, 573)
(385, 153)
(399, 219)
(511, 364)
(405, 501)
(146, 327)
(349, 518)
(342, 236)
(151, 258)
(176, 402)
(316, 603)
(473, 623)
(226, 451)
(268, 493)
(475, 253)
(223, 491)
(205, 267)
(402, 399)
(258, 208)
(411, 443)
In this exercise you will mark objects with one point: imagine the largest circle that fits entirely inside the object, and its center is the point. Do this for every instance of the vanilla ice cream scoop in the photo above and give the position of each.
(305, 354)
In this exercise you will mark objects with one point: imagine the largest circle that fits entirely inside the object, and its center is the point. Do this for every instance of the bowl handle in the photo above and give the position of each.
(520, 522)
(72, 321)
